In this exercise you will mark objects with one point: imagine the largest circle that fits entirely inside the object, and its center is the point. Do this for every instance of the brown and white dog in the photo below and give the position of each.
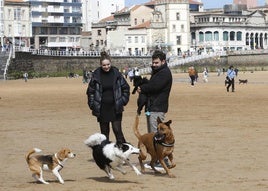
(54, 163)
(159, 145)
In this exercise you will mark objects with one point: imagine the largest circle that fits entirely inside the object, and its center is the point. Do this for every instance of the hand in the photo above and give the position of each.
(139, 90)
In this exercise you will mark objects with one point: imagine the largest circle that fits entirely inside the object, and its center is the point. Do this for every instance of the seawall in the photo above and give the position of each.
(39, 65)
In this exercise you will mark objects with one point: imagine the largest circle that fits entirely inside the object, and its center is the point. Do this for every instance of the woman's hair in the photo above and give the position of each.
(104, 56)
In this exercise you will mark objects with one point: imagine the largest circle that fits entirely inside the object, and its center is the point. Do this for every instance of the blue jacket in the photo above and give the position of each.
(231, 74)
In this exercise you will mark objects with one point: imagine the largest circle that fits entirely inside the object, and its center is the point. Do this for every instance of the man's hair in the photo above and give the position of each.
(159, 54)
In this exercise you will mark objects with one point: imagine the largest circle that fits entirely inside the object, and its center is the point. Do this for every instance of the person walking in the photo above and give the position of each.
(205, 75)
(25, 76)
(192, 74)
(230, 77)
(157, 89)
(108, 92)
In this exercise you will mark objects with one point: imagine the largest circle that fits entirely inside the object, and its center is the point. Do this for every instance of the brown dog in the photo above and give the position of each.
(53, 163)
(158, 145)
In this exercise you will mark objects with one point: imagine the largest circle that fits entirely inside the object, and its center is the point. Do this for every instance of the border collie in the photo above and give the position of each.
(109, 155)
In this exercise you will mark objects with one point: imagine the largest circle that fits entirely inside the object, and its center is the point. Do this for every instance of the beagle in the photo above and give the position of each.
(54, 163)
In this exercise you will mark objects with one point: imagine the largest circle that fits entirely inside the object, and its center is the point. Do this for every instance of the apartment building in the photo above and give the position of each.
(56, 24)
(16, 23)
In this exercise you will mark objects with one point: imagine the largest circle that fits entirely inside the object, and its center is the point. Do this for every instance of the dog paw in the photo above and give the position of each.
(111, 177)
(172, 176)
(172, 166)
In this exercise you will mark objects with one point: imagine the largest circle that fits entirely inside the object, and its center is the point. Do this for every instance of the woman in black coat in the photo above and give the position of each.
(108, 92)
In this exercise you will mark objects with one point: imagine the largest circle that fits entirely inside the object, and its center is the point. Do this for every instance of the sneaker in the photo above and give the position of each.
(157, 166)
(166, 162)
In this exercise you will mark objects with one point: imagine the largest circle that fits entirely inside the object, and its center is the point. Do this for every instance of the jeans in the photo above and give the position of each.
(152, 120)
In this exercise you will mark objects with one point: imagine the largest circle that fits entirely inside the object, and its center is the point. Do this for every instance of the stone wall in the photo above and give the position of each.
(39, 66)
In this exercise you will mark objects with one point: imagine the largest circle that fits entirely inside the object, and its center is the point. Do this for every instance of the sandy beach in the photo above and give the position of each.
(221, 138)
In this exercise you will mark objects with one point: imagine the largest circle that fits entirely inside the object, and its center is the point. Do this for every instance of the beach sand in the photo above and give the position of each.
(221, 138)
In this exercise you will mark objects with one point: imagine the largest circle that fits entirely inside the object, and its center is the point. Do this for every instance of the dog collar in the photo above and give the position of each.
(163, 143)
(58, 161)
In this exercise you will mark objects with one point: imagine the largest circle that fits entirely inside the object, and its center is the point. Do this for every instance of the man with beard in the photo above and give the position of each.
(157, 89)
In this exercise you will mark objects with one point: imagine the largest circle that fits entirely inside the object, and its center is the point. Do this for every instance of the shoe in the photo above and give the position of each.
(166, 162)
(157, 166)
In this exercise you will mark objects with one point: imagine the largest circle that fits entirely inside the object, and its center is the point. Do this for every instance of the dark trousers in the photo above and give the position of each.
(192, 80)
(230, 83)
(117, 129)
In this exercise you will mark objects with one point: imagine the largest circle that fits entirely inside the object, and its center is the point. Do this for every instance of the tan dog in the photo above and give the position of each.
(158, 145)
(53, 163)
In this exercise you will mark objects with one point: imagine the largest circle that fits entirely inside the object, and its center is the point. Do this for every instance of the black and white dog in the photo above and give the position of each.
(109, 155)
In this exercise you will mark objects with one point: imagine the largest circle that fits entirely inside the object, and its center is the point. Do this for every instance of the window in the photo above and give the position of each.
(225, 36)
(10, 29)
(9, 14)
(143, 39)
(178, 16)
(136, 39)
(62, 39)
(216, 36)
(239, 36)
(173, 28)
(178, 40)
(99, 32)
(52, 39)
(201, 37)
(232, 36)
(129, 39)
(135, 21)
(182, 28)
(17, 14)
(208, 36)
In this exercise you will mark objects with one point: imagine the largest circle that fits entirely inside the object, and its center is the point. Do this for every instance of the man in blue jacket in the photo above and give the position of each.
(230, 76)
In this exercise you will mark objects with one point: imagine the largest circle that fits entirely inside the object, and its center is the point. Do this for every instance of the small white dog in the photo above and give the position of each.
(108, 155)
(54, 163)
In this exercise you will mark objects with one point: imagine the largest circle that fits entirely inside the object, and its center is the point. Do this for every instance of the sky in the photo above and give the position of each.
(207, 3)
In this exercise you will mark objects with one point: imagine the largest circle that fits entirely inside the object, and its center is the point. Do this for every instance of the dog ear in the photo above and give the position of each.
(168, 122)
(159, 120)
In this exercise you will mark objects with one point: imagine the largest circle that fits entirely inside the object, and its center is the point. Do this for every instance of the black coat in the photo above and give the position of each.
(94, 92)
(158, 89)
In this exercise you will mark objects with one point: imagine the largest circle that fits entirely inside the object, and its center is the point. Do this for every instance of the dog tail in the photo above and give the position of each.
(135, 127)
(32, 151)
(95, 139)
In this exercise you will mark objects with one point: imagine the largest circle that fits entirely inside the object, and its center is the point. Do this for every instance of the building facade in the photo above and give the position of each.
(17, 26)
(218, 32)
(56, 24)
